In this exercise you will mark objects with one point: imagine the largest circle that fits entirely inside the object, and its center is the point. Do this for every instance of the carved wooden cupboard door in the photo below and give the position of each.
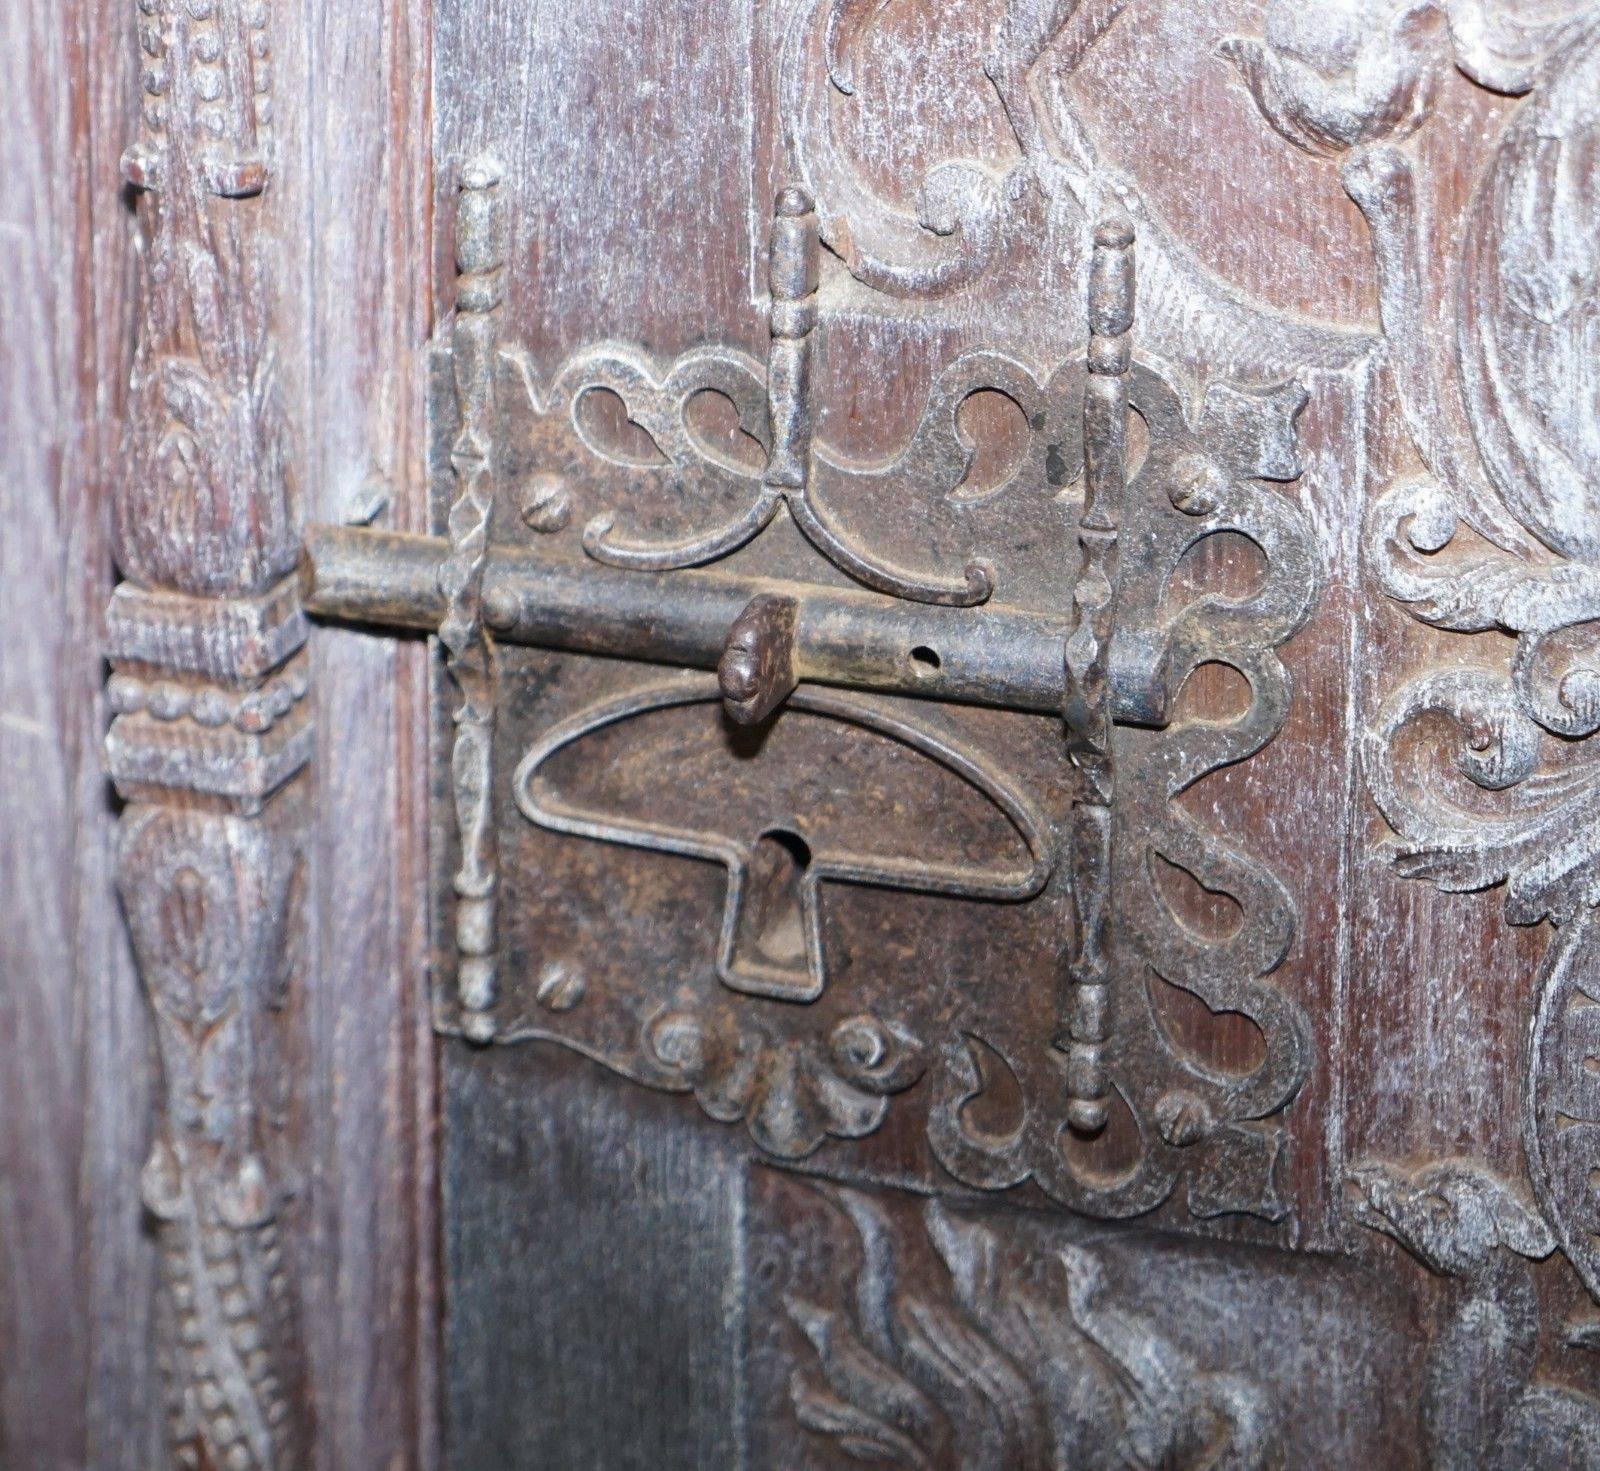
(1009, 836)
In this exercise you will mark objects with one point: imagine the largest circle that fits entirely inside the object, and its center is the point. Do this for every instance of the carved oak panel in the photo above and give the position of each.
(1001, 576)
(905, 688)
(895, 1330)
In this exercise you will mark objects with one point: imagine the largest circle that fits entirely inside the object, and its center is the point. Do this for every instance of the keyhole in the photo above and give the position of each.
(774, 918)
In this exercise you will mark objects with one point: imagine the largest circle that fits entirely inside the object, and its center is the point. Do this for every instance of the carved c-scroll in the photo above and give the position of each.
(1487, 771)
(969, 215)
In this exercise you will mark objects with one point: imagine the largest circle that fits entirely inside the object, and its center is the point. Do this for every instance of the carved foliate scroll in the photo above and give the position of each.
(1485, 1402)
(1486, 767)
(888, 1329)
(211, 727)
(965, 216)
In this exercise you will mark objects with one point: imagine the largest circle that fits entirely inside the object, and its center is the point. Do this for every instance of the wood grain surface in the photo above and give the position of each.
(353, 206)
(76, 1270)
(77, 1376)
(643, 142)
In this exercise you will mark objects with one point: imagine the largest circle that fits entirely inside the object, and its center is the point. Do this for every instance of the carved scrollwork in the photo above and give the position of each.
(954, 1375)
(965, 208)
(890, 1330)
(1501, 423)
(1487, 772)
(1532, 836)
(968, 214)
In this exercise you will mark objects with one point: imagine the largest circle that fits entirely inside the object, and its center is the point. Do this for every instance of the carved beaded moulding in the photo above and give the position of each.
(211, 729)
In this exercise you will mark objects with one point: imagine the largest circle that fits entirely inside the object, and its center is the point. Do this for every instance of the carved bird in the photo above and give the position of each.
(970, 212)
(1484, 1408)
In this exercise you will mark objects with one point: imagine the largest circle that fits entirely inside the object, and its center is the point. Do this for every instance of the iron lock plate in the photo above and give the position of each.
(838, 791)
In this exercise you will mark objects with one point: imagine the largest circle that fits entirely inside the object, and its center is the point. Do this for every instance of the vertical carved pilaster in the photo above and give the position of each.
(1088, 706)
(475, 349)
(210, 728)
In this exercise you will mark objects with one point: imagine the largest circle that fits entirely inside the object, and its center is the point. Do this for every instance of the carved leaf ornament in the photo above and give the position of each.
(211, 727)
(1486, 769)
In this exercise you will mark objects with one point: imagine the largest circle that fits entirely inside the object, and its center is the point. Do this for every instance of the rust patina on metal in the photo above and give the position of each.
(979, 810)
(1005, 657)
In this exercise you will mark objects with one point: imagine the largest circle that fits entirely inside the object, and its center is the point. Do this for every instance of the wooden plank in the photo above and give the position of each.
(593, 1259)
(354, 205)
(76, 1270)
(123, 1406)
